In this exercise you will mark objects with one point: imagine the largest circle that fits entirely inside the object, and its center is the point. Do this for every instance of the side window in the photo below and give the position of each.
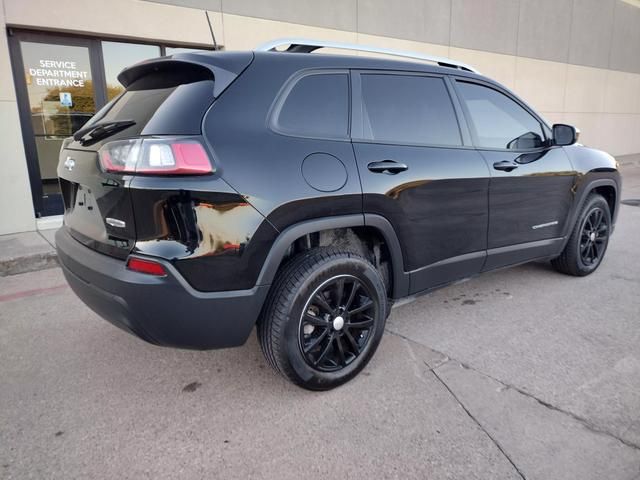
(498, 121)
(408, 109)
(317, 106)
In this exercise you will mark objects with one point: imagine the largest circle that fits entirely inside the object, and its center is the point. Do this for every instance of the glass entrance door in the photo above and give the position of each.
(59, 95)
(61, 81)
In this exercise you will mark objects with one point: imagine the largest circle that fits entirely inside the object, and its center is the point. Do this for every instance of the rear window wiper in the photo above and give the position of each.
(95, 132)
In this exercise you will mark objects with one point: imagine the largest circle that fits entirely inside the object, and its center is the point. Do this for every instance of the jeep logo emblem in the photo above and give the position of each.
(69, 163)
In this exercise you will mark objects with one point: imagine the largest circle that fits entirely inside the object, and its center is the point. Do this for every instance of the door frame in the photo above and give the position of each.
(522, 252)
(24, 112)
(423, 278)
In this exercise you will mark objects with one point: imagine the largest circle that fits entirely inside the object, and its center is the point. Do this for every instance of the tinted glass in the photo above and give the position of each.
(160, 104)
(498, 121)
(408, 109)
(117, 56)
(317, 106)
(60, 88)
(60, 92)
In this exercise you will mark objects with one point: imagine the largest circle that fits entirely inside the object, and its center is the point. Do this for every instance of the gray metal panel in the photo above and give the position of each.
(490, 25)
(213, 5)
(419, 20)
(625, 43)
(338, 14)
(544, 28)
(591, 32)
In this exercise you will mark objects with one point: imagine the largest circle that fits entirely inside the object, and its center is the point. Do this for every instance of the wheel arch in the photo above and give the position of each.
(607, 187)
(283, 243)
(610, 194)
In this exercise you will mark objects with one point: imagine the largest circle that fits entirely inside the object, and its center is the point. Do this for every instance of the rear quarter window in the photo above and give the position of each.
(317, 105)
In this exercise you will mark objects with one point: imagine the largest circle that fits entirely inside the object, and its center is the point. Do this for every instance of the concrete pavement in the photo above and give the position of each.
(521, 373)
(27, 252)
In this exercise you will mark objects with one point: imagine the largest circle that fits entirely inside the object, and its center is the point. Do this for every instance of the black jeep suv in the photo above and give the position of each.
(305, 193)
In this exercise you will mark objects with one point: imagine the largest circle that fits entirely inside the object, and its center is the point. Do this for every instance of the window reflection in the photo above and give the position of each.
(60, 93)
(117, 56)
(499, 122)
(59, 86)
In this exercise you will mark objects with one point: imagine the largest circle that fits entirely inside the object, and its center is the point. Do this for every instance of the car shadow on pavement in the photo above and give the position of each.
(186, 371)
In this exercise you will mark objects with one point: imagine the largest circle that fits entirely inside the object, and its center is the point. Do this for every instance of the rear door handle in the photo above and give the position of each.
(505, 166)
(389, 167)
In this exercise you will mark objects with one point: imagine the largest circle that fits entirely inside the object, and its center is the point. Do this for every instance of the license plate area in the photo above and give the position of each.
(98, 210)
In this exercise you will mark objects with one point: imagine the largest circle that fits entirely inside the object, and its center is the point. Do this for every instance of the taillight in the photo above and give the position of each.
(146, 266)
(172, 156)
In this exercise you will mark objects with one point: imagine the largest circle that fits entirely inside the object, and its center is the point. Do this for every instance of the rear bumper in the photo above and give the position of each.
(161, 310)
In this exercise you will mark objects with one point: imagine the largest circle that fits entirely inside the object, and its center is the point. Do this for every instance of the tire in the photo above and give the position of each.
(589, 239)
(312, 332)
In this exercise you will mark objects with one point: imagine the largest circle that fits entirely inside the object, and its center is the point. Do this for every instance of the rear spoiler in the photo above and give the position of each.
(225, 67)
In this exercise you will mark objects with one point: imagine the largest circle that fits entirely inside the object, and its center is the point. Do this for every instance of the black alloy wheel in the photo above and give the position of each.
(336, 323)
(324, 317)
(594, 237)
(588, 241)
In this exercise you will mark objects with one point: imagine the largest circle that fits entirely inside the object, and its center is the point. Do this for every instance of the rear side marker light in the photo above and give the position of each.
(154, 156)
(146, 266)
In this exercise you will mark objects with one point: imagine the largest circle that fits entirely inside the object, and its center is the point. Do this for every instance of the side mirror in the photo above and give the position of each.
(564, 134)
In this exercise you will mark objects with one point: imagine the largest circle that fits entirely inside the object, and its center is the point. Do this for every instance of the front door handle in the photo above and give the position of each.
(389, 167)
(505, 166)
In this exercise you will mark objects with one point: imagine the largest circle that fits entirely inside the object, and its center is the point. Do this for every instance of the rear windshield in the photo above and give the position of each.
(159, 104)
(176, 110)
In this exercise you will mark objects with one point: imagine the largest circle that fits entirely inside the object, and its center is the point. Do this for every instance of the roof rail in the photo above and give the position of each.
(305, 45)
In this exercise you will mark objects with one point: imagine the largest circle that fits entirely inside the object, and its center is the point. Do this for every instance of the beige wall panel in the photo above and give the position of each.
(589, 125)
(541, 83)
(246, 33)
(218, 26)
(585, 92)
(616, 134)
(7, 92)
(16, 206)
(634, 135)
(622, 92)
(398, 44)
(121, 18)
(619, 133)
(553, 117)
(494, 65)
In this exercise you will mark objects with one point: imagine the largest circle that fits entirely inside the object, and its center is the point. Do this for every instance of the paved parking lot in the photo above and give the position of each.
(522, 373)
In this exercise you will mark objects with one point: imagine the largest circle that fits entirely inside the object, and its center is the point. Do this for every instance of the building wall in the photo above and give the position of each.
(16, 210)
(575, 61)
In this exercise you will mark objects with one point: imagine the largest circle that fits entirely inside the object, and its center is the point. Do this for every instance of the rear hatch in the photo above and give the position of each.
(166, 97)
